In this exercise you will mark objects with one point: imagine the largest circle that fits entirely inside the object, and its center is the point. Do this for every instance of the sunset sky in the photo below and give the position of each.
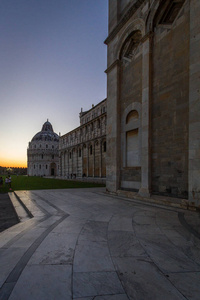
(52, 63)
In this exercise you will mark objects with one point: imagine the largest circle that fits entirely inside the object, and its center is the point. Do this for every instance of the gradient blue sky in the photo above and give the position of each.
(52, 62)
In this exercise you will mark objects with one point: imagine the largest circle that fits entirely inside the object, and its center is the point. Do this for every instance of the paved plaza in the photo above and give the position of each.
(84, 244)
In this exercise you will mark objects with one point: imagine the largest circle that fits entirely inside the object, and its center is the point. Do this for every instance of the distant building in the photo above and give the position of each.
(42, 153)
(82, 151)
(153, 102)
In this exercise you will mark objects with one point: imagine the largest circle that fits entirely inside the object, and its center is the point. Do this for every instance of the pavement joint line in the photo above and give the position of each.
(72, 278)
(164, 274)
(24, 206)
(40, 207)
(111, 256)
(187, 226)
(19, 235)
(11, 280)
(49, 203)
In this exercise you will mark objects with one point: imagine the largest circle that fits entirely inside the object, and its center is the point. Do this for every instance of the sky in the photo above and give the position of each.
(52, 63)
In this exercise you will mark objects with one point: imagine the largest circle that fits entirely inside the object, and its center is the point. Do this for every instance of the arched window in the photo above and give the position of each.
(132, 139)
(132, 115)
(91, 150)
(130, 46)
(104, 147)
(131, 147)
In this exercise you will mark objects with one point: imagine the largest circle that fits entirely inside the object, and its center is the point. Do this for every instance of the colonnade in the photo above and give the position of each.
(84, 160)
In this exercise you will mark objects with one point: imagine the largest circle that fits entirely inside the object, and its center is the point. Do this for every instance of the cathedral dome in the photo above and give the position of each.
(46, 134)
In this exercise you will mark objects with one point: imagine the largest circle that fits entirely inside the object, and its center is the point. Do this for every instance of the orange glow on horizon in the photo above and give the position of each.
(13, 163)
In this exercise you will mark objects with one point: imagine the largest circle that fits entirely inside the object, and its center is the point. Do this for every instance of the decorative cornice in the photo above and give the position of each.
(123, 21)
(116, 62)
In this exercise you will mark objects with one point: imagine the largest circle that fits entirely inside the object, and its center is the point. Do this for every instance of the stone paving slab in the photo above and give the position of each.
(85, 244)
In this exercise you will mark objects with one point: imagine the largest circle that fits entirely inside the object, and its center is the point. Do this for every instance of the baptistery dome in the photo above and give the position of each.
(42, 152)
(46, 134)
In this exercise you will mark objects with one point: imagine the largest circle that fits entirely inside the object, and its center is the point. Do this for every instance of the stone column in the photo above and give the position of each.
(87, 159)
(93, 157)
(77, 153)
(67, 162)
(82, 160)
(60, 163)
(145, 122)
(194, 105)
(113, 128)
(100, 159)
(64, 169)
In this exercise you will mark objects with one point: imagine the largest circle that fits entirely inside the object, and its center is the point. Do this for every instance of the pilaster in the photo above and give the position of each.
(145, 123)
(194, 105)
(113, 121)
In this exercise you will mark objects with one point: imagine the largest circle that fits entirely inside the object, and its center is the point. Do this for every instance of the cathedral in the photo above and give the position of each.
(82, 151)
(153, 98)
(144, 138)
(42, 153)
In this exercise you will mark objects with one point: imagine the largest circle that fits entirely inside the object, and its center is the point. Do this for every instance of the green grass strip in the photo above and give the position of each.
(41, 183)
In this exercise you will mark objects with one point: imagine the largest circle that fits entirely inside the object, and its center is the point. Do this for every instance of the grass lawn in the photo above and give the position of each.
(42, 183)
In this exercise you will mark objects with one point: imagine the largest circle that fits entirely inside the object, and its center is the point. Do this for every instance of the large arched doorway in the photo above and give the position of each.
(53, 169)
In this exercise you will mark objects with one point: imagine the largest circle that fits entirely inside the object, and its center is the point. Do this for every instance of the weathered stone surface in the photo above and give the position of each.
(153, 59)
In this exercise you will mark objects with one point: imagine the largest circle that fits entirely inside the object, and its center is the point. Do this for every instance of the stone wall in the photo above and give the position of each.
(153, 102)
(170, 108)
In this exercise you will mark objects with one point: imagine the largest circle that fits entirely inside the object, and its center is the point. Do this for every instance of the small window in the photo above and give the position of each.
(46, 167)
(70, 155)
(42, 156)
(79, 152)
(40, 166)
(52, 147)
(53, 156)
(46, 146)
(91, 150)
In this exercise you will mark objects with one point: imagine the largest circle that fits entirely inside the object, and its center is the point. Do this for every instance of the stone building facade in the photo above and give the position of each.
(153, 98)
(82, 151)
(42, 153)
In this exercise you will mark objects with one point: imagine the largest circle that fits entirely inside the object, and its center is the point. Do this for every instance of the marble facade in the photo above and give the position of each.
(82, 151)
